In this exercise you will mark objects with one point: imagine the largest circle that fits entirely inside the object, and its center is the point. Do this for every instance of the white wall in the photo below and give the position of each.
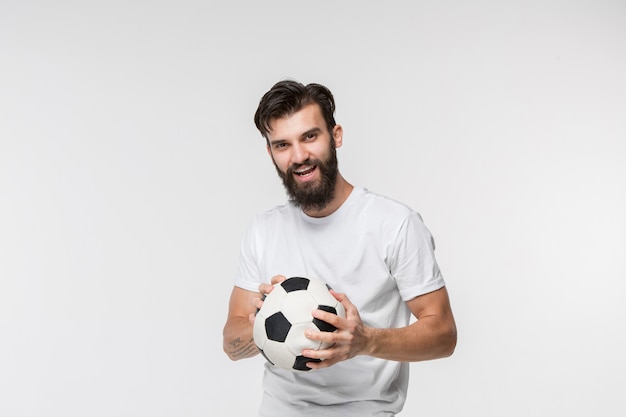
(130, 166)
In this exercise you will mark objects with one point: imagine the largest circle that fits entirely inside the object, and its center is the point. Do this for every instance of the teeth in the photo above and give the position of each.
(304, 170)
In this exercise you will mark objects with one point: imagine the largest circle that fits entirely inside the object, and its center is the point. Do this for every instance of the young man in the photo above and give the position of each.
(374, 252)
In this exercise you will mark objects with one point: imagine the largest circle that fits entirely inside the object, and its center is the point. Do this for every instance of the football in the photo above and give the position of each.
(286, 313)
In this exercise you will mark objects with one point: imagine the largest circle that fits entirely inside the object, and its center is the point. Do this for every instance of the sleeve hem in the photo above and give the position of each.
(410, 293)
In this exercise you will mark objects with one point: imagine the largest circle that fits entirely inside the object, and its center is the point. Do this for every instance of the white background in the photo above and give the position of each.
(130, 167)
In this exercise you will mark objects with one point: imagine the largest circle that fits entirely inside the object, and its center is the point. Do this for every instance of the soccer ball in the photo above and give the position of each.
(286, 313)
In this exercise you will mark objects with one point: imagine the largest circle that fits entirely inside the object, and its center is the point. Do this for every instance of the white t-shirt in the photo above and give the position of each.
(375, 250)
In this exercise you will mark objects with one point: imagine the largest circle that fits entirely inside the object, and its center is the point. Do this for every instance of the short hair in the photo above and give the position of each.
(287, 97)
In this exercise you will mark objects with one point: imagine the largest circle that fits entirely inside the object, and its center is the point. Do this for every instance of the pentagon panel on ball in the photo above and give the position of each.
(280, 324)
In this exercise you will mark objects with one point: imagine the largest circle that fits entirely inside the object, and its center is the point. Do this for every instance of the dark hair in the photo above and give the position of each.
(287, 97)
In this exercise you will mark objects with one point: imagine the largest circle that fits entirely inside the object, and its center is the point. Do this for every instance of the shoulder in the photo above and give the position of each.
(378, 204)
(383, 216)
(277, 212)
(272, 217)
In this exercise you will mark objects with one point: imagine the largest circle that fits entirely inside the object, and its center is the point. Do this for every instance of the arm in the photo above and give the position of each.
(238, 341)
(432, 336)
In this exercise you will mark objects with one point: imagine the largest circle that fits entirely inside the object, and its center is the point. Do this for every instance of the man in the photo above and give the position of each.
(374, 252)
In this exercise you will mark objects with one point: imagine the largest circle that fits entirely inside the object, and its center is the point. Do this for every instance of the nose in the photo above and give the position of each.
(299, 154)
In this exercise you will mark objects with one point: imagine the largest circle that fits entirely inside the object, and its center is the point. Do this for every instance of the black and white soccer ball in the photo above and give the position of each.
(286, 313)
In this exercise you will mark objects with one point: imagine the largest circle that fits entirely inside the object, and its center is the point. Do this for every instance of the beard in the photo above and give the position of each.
(313, 195)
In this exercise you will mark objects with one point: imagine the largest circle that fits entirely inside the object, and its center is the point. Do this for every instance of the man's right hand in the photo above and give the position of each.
(265, 289)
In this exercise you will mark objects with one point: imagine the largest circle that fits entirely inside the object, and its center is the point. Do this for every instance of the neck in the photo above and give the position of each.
(342, 191)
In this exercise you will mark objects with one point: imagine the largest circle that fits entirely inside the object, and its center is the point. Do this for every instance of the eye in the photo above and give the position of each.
(311, 136)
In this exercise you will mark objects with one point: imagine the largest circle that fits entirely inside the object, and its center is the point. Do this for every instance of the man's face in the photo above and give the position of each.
(304, 154)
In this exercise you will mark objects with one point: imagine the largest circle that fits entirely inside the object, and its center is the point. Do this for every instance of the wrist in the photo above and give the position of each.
(371, 347)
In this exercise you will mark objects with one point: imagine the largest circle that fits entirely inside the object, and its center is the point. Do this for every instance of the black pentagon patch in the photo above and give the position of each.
(295, 284)
(266, 358)
(322, 325)
(276, 327)
(301, 361)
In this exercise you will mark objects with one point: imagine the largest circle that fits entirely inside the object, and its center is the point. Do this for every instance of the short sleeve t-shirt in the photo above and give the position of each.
(380, 254)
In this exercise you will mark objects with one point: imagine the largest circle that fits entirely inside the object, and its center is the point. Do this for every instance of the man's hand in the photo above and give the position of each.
(265, 289)
(432, 336)
(349, 340)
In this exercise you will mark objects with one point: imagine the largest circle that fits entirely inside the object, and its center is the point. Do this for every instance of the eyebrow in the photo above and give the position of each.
(312, 130)
(277, 141)
(302, 135)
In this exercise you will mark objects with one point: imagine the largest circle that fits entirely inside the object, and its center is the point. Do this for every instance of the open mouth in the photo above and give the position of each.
(305, 171)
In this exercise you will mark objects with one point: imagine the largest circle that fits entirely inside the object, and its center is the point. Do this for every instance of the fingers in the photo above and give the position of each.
(328, 357)
(258, 302)
(277, 279)
(344, 343)
(322, 364)
(336, 294)
(351, 311)
(325, 337)
(265, 288)
(329, 338)
(328, 317)
(343, 299)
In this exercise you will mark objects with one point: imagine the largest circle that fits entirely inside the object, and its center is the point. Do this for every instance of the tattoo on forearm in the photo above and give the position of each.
(243, 349)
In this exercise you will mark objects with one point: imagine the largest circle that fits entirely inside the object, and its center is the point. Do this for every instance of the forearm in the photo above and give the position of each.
(426, 339)
(238, 340)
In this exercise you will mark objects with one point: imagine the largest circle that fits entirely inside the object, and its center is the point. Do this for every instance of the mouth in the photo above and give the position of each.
(305, 172)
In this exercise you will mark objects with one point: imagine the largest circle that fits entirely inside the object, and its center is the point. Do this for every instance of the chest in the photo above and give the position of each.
(352, 260)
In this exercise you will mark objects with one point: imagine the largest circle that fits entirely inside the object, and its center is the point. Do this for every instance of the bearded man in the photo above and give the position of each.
(376, 254)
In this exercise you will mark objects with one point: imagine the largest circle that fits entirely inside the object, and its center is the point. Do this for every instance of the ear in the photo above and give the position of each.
(338, 135)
